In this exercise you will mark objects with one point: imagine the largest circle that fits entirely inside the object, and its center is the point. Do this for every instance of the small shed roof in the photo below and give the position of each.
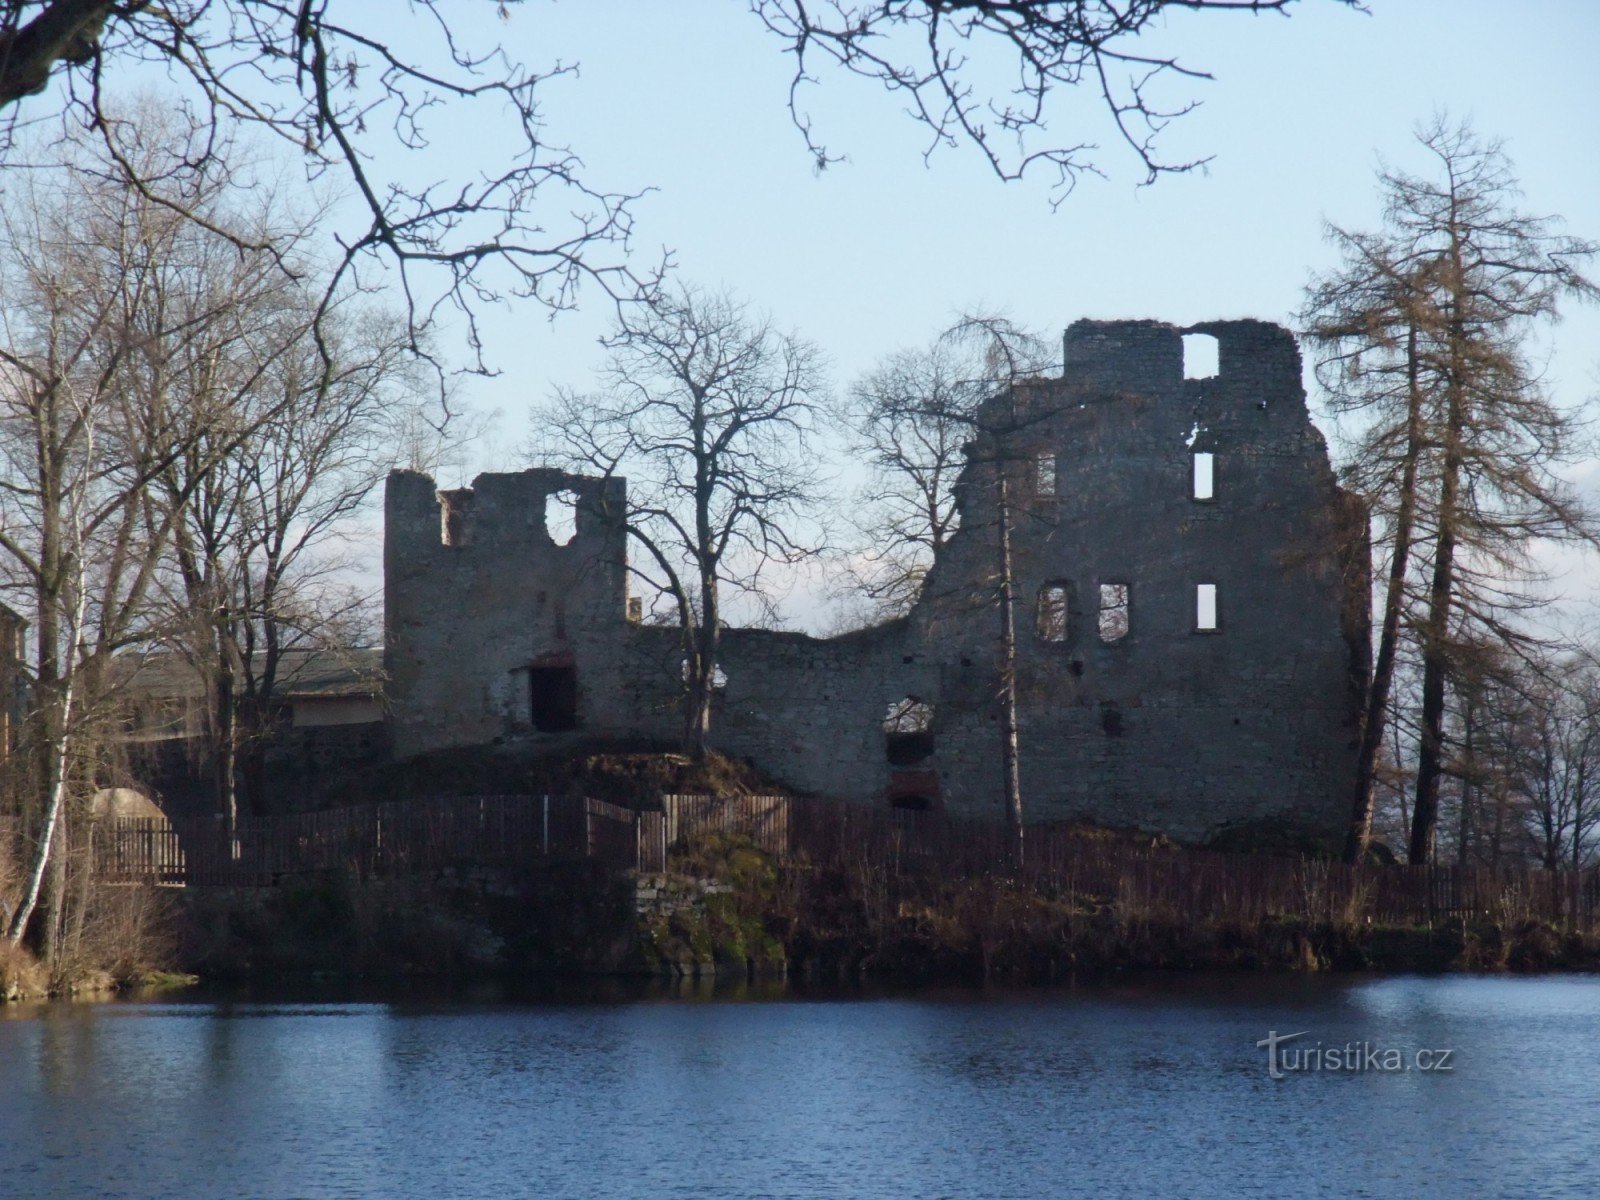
(324, 672)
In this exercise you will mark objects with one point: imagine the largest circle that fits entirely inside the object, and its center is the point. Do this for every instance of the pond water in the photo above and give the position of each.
(1141, 1087)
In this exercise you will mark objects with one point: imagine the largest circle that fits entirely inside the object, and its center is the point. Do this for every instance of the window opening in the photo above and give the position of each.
(1052, 615)
(1204, 476)
(719, 677)
(1044, 482)
(1205, 607)
(561, 516)
(455, 512)
(1114, 611)
(908, 732)
(1199, 356)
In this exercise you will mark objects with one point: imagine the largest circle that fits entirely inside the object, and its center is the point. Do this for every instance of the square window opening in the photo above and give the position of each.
(1115, 614)
(1052, 612)
(1044, 483)
(908, 732)
(1199, 356)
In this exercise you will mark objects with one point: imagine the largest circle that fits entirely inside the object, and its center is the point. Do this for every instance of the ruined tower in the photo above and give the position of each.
(1192, 612)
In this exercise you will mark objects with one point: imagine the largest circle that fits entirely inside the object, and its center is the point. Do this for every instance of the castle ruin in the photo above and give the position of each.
(1192, 613)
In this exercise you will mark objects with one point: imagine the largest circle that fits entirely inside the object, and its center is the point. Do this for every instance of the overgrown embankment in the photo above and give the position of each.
(833, 921)
(728, 908)
(117, 937)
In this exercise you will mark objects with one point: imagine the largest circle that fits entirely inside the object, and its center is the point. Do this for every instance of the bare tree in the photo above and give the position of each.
(938, 55)
(707, 409)
(912, 421)
(909, 420)
(340, 86)
(1561, 776)
(919, 419)
(111, 296)
(1425, 327)
(343, 86)
(255, 547)
(1009, 355)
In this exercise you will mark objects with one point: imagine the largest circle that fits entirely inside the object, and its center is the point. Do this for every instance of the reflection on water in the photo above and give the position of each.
(1144, 1087)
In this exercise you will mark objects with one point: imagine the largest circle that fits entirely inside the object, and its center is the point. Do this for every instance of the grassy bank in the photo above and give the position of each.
(729, 909)
(833, 922)
(121, 937)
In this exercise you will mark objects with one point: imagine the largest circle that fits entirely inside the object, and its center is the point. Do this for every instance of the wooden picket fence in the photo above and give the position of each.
(374, 841)
(1121, 875)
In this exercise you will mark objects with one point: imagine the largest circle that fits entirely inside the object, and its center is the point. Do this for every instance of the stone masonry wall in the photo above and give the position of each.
(477, 594)
(1166, 728)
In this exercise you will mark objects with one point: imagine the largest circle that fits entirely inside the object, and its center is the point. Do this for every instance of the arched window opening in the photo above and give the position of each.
(561, 516)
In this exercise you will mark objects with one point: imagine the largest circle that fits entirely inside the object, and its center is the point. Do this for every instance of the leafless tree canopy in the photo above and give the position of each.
(706, 409)
(343, 85)
(329, 81)
(1424, 335)
(176, 445)
(910, 420)
(942, 56)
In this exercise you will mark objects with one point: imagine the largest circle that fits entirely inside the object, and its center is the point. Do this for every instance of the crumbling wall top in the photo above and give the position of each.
(498, 509)
(1148, 356)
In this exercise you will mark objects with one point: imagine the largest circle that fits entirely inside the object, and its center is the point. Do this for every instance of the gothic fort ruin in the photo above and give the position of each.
(1191, 623)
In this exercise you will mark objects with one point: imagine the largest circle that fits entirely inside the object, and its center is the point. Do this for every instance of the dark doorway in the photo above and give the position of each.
(908, 749)
(554, 693)
(912, 803)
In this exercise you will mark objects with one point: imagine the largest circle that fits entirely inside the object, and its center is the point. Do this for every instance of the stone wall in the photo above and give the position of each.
(478, 596)
(1167, 727)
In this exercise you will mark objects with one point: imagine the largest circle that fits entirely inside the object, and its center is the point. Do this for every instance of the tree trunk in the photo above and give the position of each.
(1579, 785)
(1430, 755)
(55, 693)
(224, 752)
(47, 850)
(1359, 835)
(1441, 596)
(1464, 817)
(701, 663)
(1498, 836)
(1008, 677)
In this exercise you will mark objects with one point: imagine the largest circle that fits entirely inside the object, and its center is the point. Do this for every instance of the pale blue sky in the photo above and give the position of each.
(878, 252)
